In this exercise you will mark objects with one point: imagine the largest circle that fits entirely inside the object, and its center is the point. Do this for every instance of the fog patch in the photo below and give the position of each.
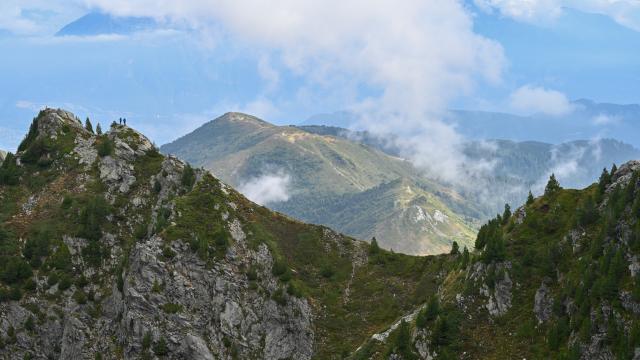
(267, 188)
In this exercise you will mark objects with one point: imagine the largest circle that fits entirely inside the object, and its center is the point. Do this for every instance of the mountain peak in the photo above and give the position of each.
(238, 117)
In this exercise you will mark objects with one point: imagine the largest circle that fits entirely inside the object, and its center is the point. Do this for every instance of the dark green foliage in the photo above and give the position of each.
(38, 152)
(281, 270)
(530, 198)
(605, 180)
(160, 348)
(588, 212)
(429, 313)
(157, 187)
(60, 259)
(156, 288)
(465, 258)
(455, 248)
(105, 146)
(506, 215)
(91, 218)
(558, 334)
(98, 129)
(88, 126)
(252, 274)
(327, 271)
(171, 308)
(29, 324)
(64, 283)
(167, 252)
(279, 297)
(9, 171)
(16, 270)
(373, 247)
(80, 297)
(31, 136)
(553, 186)
(490, 238)
(402, 343)
(188, 177)
(37, 246)
(442, 331)
(146, 340)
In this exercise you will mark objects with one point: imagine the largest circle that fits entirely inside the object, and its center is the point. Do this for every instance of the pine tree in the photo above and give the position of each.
(506, 215)
(530, 198)
(88, 126)
(98, 129)
(455, 248)
(605, 179)
(465, 257)
(614, 169)
(553, 186)
(374, 248)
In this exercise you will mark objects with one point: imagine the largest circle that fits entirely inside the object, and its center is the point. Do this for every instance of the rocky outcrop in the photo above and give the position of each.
(495, 285)
(542, 303)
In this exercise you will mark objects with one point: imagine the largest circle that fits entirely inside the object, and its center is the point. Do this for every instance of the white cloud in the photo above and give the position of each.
(624, 12)
(525, 10)
(604, 120)
(267, 188)
(530, 99)
(416, 57)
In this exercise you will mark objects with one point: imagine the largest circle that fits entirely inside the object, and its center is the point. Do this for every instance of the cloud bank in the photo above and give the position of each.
(267, 188)
(530, 100)
(413, 59)
(624, 12)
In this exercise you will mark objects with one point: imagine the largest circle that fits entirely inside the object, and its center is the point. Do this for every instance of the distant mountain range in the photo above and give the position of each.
(334, 181)
(518, 166)
(588, 120)
(97, 23)
(354, 183)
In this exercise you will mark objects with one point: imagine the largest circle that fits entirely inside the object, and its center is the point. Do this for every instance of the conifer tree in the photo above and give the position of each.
(88, 126)
(506, 215)
(455, 248)
(374, 248)
(553, 186)
(530, 198)
(98, 129)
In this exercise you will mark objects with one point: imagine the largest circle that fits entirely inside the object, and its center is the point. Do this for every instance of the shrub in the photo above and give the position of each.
(10, 171)
(80, 297)
(105, 147)
(171, 308)
(160, 348)
(16, 270)
(65, 282)
(188, 177)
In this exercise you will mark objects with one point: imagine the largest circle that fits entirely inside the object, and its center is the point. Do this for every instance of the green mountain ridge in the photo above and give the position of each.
(110, 250)
(329, 177)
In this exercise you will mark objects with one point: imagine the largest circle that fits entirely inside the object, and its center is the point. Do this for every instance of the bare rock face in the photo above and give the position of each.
(3, 155)
(542, 304)
(498, 294)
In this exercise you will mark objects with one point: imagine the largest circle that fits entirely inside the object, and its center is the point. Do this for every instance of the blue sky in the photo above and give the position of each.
(400, 68)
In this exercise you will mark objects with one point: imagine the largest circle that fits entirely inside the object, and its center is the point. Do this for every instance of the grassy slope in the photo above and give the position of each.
(585, 265)
(334, 181)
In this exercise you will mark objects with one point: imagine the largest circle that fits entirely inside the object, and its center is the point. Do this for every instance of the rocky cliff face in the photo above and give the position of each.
(111, 250)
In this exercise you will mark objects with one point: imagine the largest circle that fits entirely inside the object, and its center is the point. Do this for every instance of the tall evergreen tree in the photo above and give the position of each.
(530, 198)
(374, 248)
(553, 186)
(87, 125)
(506, 215)
(455, 248)
(98, 129)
